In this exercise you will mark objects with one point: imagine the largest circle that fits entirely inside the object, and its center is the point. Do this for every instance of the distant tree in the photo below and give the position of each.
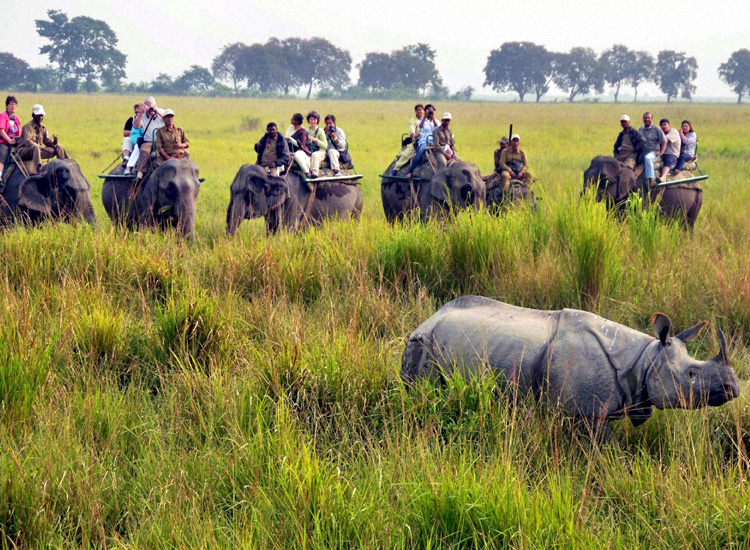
(228, 64)
(464, 94)
(327, 65)
(578, 72)
(736, 73)
(410, 68)
(43, 79)
(521, 67)
(437, 91)
(13, 72)
(641, 71)
(617, 64)
(194, 80)
(262, 67)
(82, 47)
(377, 72)
(70, 85)
(162, 84)
(112, 82)
(675, 73)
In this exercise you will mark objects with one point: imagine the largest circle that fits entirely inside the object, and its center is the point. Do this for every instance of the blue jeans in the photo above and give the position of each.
(684, 157)
(418, 157)
(648, 165)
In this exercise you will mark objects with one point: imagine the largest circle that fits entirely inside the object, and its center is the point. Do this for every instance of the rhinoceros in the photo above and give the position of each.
(593, 367)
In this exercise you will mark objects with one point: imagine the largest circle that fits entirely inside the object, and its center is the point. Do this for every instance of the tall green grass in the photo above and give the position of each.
(158, 393)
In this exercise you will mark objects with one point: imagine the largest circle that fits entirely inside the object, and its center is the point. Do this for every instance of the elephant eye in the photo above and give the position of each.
(693, 376)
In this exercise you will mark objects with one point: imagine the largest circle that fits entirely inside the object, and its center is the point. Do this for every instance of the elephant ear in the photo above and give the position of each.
(277, 193)
(611, 170)
(34, 194)
(439, 187)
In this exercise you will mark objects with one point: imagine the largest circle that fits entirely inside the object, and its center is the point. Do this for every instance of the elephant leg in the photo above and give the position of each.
(695, 209)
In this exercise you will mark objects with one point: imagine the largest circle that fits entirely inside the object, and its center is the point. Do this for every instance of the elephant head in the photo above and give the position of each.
(171, 194)
(254, 193)
(459, 185)
(611, 178)
(60, 191)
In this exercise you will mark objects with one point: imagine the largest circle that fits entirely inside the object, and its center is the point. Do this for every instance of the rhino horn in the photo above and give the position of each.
(691, 334)
(661, 325)
(723, 353)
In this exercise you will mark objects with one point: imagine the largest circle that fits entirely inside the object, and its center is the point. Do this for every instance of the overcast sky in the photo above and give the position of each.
(170, 35)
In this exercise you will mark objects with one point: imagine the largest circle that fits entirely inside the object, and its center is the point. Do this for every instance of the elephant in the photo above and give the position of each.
(456, 186)
(287, 202)
(59, 191)
(166, 199)
(517, 194)
(614, 182)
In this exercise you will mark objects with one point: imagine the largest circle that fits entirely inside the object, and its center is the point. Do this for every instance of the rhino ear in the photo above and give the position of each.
(661, 325)
(723, 353)
(692, 333)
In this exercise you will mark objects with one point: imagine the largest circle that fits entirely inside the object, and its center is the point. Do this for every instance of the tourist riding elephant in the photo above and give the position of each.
(458, 185)
(166, 199)
(288, 202)
(60, 191)
(614, 182)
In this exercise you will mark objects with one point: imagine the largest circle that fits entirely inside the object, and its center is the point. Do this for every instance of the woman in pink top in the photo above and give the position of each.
(10, 131)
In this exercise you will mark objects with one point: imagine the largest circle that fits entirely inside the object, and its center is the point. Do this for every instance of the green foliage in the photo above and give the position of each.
(245, 392)
(82, 46)
(578, 72)
(735, 72)
(412, 67)
(675, 73)
(523, 67)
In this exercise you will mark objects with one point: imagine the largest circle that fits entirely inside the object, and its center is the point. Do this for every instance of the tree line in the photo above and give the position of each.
(84, 57)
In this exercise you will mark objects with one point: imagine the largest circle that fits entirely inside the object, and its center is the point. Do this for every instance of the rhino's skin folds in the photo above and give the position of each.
(595, 368)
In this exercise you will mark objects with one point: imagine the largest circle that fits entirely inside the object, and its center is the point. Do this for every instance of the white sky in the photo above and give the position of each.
(179, 33)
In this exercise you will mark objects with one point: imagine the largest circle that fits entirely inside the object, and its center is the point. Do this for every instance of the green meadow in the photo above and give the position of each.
(245, 392)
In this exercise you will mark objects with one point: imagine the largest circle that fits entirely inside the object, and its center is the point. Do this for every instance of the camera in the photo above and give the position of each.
(430, 112)
(151, 108)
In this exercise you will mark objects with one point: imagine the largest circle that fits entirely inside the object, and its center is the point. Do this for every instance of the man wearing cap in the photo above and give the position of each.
(36, 144)
(629, 144)
(514, 164)
(444, 143)
(656, 144)
(171, 142)
(150, 120)
(504, 143)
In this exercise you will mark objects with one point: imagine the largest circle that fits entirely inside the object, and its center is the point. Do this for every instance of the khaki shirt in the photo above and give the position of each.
(498, 153)
(37, 134)
(509, 156)
(166, 140)
(444, 136)
(626, 147)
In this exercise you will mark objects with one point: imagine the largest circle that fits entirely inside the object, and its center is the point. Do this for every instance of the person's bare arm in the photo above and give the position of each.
(6, 137)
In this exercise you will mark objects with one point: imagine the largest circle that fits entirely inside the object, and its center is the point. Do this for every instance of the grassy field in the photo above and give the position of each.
(223, 393)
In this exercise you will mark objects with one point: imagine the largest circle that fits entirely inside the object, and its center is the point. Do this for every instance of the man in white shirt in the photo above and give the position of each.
(672, 149)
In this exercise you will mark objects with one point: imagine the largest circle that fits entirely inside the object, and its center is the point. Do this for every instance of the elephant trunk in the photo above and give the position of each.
(186, 217)
(236, 212)
(84, 208)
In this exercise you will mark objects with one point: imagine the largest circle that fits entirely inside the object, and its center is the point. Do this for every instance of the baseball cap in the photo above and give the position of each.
(37, 110)
(446, 115)
(168, 112)
(515, 136)
(624, 117)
